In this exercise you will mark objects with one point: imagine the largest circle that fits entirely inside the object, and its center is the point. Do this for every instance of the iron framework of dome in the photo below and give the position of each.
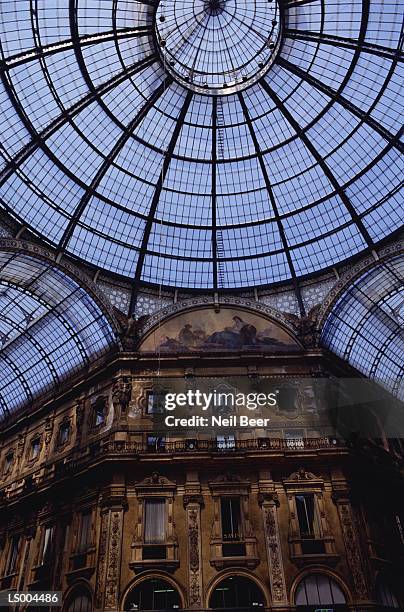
(205, 144)
(50, 329)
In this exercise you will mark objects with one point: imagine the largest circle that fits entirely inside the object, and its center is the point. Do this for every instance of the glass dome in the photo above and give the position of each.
(50, 329)
(203, 144)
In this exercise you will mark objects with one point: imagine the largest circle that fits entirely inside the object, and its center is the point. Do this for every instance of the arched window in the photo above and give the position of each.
(79, 601)
(385, 596)
(238, 593)
(153, 594)
(319, 589)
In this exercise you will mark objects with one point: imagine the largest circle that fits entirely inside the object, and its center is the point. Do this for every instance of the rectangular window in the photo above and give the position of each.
(154, 529)
(154, 521)
(308, 524)
(155, 443)
(35, 448)
(154, 403)
(99, 414)
(231, 518)
(47, 545)
(85, 532)
(225, 442)
(64, 433)
(13, 555)
(305, 514)
(8, 462)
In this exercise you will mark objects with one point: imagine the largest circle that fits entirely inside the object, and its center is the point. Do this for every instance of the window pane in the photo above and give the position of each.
(47, 545)
(230, 507)
(12, 560)
(85, 529)
(305, 513)
(154, 529)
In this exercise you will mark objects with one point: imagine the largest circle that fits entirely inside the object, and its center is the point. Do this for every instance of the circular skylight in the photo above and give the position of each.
(218, 46)
(115, 151)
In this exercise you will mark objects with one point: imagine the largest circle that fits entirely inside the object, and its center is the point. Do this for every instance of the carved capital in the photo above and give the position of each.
(268, 497)
(193, 499)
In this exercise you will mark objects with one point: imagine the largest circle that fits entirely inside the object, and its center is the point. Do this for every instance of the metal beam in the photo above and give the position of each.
(274, 204)
(345, 43)
(108, 161)
(344, 102)
(64, 45)
(321, 162)
(214, 190)
(157, 193)
(39, 138)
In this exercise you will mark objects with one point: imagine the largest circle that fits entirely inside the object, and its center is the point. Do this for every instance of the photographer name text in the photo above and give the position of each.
(196, 421)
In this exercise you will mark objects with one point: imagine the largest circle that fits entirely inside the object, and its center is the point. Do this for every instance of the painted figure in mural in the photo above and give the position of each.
(236, 336)
(228, 330)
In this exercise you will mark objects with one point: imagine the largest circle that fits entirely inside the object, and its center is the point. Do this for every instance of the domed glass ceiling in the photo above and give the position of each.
(210, 144)
(50, 328)
(365, 327)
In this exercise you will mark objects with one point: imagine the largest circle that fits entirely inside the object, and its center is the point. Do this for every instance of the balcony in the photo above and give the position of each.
(257, 444)
(107, 448)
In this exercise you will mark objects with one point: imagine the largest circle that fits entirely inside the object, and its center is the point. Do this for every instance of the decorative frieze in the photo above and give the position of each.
(269, 503)
(352, 546)
(110, 549)
(193, 509)
(114, 560)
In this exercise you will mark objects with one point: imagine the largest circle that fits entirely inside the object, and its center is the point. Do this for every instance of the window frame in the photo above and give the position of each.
(13, 555)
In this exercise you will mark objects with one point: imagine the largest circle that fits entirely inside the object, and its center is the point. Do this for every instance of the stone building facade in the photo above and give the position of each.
(98, 505)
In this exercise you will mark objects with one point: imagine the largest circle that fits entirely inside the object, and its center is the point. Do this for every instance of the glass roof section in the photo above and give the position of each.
(203, 144)
(50, 328)
(366, 325)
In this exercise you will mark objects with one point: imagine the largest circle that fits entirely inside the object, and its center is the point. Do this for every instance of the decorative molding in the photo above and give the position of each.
(155, 481)
(269, 502)
(114, 561)
(194, 555)
(302, 474)
(121, 396)
(352, 548)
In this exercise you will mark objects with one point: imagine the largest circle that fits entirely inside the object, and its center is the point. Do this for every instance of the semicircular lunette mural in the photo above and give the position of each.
(229, 329)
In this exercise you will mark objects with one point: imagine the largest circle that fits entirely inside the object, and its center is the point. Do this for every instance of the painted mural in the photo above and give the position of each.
(229, 329)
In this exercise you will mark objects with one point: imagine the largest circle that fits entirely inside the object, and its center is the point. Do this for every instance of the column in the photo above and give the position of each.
(352, 545)
(110, 550)
(269, 503)
(193, 503)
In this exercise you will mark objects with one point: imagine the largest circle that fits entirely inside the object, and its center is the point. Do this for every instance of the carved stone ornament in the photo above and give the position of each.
(193, 499)
(227, 477)
(121, 395)
(79, 408)
(20, 445)
(352, 549)
(157, 481)
(48, 430)
(277, 578)
(269, 497)
(302, 474)
(306, 328)
(114, 559)
(195, 580)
